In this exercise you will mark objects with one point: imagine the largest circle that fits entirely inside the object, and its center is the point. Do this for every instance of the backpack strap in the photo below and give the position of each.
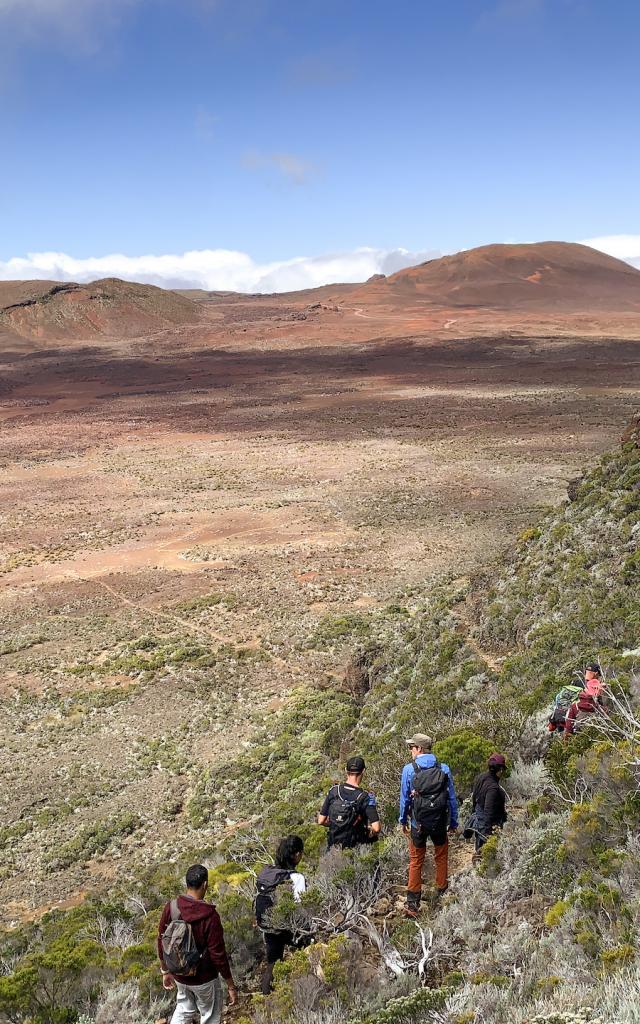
(174, 910)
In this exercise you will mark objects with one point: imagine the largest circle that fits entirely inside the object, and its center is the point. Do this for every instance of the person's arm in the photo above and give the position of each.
(373, 818)
(299, 885)
(167, 978)
(323, 815)
(453, 803)
(218, 954)
(405, 794)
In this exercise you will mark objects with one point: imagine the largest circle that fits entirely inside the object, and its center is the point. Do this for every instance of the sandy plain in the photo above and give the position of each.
(284, 471)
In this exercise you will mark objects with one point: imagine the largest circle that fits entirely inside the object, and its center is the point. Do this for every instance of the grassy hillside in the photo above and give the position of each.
(545, 928)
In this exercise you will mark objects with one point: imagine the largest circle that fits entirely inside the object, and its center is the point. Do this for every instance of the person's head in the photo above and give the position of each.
(289, 852)
(418, 744)
(197, 880)
(354, 768)
(497, 764)
(592, 671)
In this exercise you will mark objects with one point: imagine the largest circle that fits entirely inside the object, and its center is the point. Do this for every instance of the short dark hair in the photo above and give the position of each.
(288, 848)
(197, 875)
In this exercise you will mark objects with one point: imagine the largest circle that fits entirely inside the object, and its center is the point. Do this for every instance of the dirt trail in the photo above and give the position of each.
(196, 630)
(492, 658)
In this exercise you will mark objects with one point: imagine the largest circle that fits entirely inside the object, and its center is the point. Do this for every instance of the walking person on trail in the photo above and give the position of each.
(192, 953)
(591, 686)
(489, 803)
(563, 700)
(283, 872)
(428, 810)
(582, 713)
(593, 683)
(350, 812)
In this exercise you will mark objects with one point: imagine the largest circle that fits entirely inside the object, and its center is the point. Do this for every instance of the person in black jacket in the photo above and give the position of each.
(489, 801)
(349, 812)
(283, 872)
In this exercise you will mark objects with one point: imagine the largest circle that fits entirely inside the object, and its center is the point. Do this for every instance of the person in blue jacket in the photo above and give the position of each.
(428, 810)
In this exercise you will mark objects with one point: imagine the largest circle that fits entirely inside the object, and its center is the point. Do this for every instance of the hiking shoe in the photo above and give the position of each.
(411, 910)
(440, 890)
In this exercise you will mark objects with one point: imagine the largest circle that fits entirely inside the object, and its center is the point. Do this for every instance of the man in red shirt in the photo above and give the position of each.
(200, 992)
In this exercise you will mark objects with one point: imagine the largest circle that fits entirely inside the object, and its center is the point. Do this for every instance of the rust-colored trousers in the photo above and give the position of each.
(416, 862)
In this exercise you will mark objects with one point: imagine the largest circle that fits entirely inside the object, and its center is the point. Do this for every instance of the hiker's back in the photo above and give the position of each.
(481, 785)
(430, 794)
(347, 812)
(561, 704)
(267, 883)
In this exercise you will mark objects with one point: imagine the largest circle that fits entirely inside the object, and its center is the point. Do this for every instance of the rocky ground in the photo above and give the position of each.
(195, 522)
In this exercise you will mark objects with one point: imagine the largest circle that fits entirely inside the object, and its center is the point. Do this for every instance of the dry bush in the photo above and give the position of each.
(122, 1004)
(527, 781)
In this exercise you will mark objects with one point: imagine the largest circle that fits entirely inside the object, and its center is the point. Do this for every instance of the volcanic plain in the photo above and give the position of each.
(208, 500)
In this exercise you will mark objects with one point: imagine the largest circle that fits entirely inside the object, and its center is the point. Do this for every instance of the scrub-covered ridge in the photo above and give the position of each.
(546, 927)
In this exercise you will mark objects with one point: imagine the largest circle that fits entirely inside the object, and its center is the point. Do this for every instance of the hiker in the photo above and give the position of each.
(593, 680)
(580, 712)
(192, 953)
(288, 856)
(488, 802)
(428, 810)
(571, 694)
(563, 700)
(350, 812)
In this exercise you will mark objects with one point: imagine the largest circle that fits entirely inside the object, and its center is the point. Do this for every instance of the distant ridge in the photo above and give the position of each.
(107, 308)
(559, 276)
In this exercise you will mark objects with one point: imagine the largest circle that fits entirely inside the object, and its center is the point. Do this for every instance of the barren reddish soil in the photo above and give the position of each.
(298, 463)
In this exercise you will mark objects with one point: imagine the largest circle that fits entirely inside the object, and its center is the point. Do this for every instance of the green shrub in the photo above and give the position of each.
(466, 753)
(94, 839)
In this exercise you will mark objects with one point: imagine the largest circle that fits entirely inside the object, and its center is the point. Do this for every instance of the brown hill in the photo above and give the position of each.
(559, 276)
(108, 308)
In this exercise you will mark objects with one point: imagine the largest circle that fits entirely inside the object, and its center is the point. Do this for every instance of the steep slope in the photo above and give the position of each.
(545, 929)
(558, 276)
(107, 308)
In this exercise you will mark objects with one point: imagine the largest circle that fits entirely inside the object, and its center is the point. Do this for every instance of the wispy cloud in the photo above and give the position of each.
(216, 269)
(294, 169)
(623, 247)
(516, 14)
(206, 124)
(81, 24)
(318, 71)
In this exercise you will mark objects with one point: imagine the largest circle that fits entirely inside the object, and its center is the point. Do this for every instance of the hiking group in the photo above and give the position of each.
(191, 945)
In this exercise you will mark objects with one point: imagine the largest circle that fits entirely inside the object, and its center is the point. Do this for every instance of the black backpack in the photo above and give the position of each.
(430, 794)
(347, 819)
(179, 951)
(266, 884)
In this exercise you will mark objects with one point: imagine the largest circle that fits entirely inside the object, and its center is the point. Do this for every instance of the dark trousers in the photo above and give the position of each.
(275, 944)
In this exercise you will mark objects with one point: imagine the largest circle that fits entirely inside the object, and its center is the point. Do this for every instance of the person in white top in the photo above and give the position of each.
(288, 856)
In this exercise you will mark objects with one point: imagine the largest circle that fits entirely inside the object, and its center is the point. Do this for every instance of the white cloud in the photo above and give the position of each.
(216, 269)
(294, 168)
(206, 124)
(623, 247)
(81, 24)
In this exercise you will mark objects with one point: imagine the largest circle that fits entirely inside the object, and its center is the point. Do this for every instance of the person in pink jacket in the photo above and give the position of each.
(593, 684)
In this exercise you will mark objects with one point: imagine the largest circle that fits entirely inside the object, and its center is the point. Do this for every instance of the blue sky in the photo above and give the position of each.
(277, 130)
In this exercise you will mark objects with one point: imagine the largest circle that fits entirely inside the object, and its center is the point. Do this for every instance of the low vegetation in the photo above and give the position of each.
(548, 926)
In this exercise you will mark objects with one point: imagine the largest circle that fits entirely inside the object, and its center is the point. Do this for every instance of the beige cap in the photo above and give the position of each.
(420, 739)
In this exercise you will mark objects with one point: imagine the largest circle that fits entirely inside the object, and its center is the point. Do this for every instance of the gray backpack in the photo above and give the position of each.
(179, 951)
